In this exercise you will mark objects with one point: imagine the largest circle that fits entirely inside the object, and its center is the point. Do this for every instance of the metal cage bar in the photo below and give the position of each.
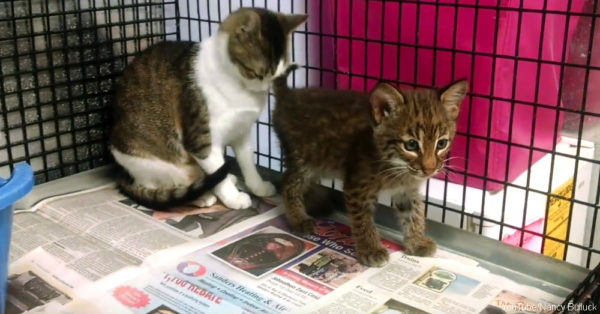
(59, 60)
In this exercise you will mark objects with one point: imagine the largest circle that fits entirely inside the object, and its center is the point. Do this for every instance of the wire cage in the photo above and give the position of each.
(525, 163)
(586, 294)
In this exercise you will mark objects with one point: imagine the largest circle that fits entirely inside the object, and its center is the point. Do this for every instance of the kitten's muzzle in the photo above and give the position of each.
(429, 171)
(429, 167)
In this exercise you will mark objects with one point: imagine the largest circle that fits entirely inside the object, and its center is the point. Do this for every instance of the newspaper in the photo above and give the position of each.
(431, 285)
(80, 238)
(256, 265)
(261, 267)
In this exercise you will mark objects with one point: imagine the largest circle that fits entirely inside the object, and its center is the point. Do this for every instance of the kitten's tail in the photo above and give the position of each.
(165, 198)
(280, 82)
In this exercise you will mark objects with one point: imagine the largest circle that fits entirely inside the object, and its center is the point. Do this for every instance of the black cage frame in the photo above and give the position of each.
(59, 60)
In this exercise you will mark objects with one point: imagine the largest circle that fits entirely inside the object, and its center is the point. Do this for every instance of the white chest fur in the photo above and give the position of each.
(234, 103)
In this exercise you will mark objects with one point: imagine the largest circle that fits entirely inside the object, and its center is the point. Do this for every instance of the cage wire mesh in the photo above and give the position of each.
(535, 185)
(59, 60)
(585, 295)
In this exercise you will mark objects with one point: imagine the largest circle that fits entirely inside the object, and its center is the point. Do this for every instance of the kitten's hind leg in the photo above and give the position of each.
(411, 217)
(295, 183)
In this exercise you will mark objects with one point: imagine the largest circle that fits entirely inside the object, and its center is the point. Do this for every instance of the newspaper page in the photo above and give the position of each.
(103, 218)
(263, 268)
(98, 232)
(74, 254)
(31, 287)
(411, 284)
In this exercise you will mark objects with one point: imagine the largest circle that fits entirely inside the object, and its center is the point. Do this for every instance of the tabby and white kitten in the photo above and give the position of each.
(178, 104)
(388, 139)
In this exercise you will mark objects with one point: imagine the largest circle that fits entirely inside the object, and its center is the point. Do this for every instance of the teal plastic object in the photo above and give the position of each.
(11, 190)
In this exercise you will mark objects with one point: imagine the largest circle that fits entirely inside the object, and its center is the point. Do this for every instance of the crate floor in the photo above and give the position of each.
(524, 267)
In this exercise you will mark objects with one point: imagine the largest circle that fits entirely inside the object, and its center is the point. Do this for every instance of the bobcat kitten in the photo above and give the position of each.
(388, 139)
(178, 104)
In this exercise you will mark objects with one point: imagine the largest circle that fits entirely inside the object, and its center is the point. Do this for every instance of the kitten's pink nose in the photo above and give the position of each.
(428, 171)
(428, 166)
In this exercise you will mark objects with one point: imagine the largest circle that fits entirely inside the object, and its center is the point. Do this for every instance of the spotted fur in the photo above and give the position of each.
(365, 139)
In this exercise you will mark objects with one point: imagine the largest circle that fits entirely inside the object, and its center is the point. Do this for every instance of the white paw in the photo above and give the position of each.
(232, 178)
(239, 201)
(206, 200)
(263, 188)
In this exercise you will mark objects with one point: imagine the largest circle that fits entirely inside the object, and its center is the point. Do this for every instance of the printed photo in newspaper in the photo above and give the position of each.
(440, 280)
(392, 306)
(163, 309)
(201, 222)
(409, 284)
(263, 251)
(329, 267)
(102, 251)
(507, 302)
(91, 234)
(27, 291)
(263, 268)
(32, 287)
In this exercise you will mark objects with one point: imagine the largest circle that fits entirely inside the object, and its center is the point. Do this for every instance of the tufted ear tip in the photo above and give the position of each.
(452, 96)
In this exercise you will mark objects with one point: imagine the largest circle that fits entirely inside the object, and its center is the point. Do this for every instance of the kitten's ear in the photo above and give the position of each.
(452, 96)
(249, 24)
(290, 22)
(384, 99)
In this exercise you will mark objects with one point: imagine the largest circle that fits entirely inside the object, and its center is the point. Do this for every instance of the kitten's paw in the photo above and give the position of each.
(206, 200)
(306, 226)
(373, 257)
(239, 201)
(232, 178)
(424, 247)
(262, 188)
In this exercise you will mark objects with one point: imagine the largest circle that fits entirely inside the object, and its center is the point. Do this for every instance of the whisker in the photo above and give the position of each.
(449, 174)
(393, 175)
(454, 157)
(388, 174)
(400, 174)
(391, 169)
(453, 168)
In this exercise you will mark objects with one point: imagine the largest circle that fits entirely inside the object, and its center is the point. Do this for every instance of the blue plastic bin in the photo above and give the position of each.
(11, 190)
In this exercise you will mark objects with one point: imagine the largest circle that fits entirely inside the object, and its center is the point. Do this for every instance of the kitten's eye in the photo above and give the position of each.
(411, 145)
(441, 144)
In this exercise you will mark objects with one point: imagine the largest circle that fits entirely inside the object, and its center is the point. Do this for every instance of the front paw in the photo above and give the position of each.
(425, 246)
(206, 200)
(306, 226)
(373, 256)
(239, 201)
(262, 188)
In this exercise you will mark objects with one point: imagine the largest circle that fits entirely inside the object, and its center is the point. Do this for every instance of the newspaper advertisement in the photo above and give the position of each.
(264, 268)
(432, 285)
(89, 252)
(31, 285)
(98, 232)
